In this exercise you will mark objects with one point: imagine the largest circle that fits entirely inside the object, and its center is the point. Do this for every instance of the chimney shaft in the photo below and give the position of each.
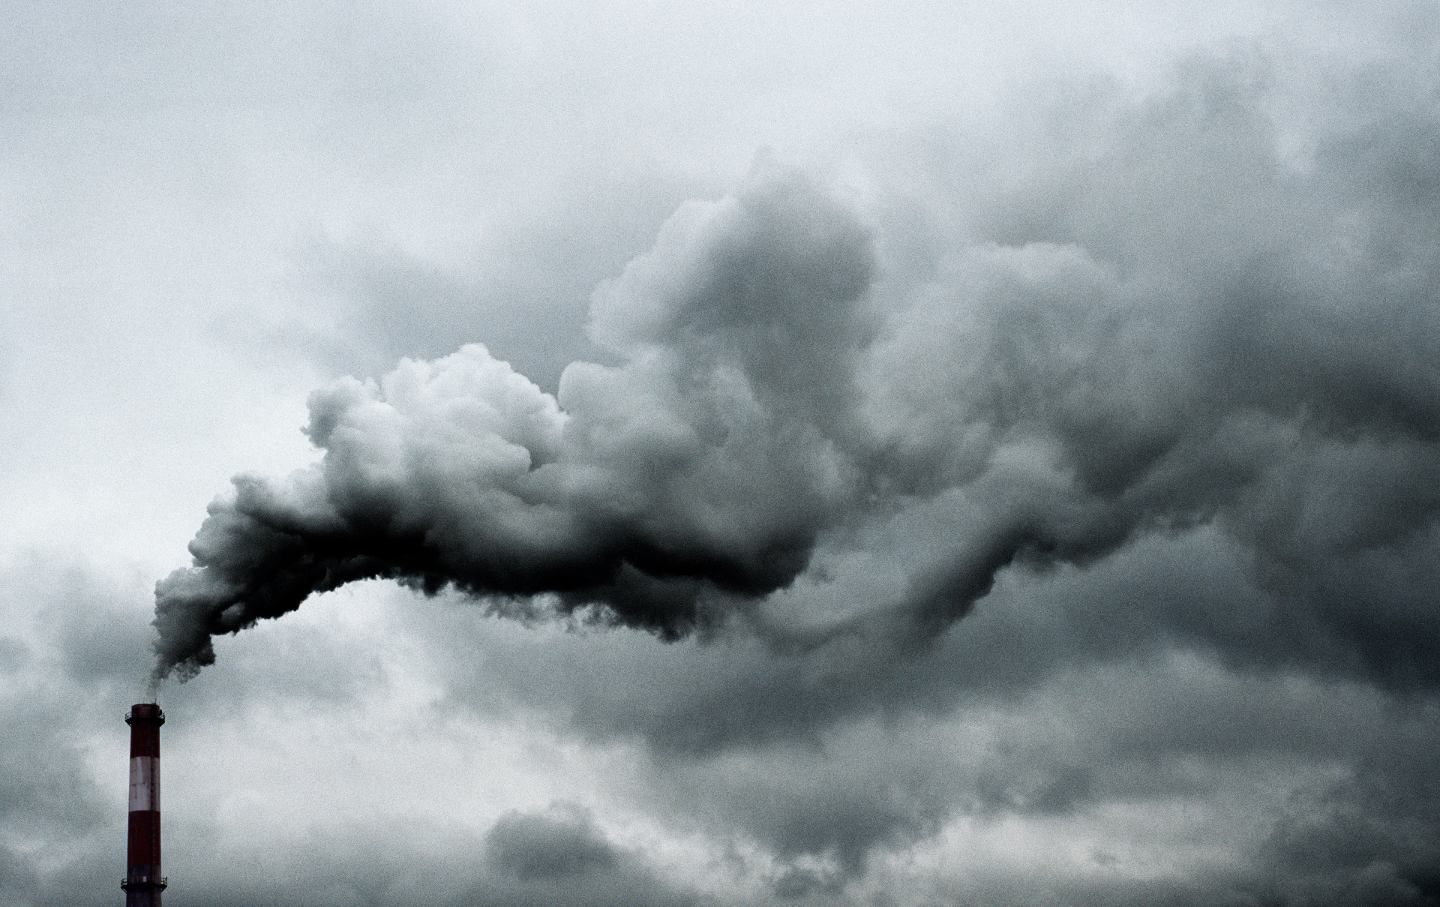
(143, 881)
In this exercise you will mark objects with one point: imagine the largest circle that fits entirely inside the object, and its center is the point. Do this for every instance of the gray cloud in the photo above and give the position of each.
(358, 304)
(65, 675)
(1368, 839)
(560, 857)
(556, 856)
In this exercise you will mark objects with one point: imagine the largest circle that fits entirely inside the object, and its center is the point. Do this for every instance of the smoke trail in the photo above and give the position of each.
(707, 463)
(1052, 396)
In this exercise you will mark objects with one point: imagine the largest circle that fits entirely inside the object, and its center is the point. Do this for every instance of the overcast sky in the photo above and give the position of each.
(724, 454)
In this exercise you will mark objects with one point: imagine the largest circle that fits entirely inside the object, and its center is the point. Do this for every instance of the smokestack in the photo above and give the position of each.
(143, 881)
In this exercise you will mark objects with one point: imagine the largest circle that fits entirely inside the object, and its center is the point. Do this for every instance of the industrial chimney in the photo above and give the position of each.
(143, 881)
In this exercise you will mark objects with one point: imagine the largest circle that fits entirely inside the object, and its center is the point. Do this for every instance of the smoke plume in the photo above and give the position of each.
(1222, 339)
(704, 466)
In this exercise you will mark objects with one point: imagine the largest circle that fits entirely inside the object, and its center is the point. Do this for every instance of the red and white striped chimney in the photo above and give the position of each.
(143, 881)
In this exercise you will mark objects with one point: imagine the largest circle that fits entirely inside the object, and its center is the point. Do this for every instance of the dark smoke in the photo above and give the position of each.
(1194, 333)
(705, 466)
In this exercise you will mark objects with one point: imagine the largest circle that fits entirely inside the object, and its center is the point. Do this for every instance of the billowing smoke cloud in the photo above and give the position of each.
(1197, 330)
(705, 467)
